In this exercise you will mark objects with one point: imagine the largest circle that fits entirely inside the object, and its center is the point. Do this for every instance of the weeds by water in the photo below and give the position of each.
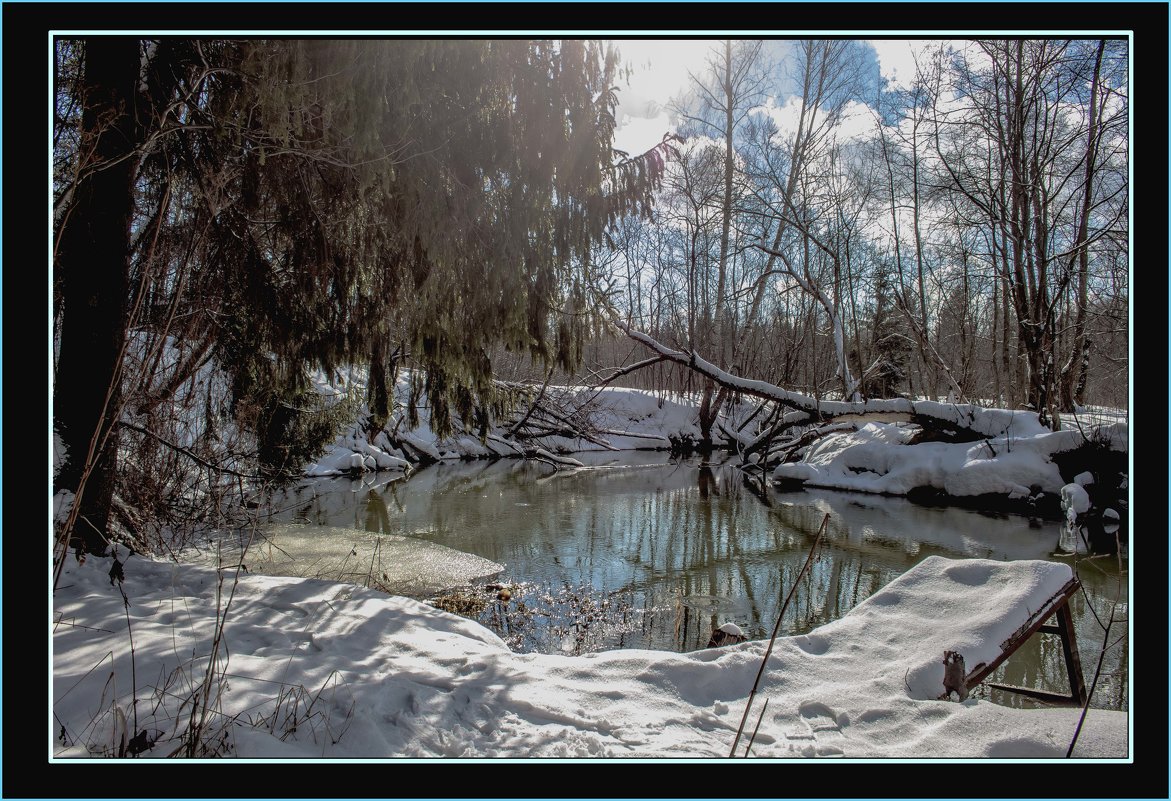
(534, 618)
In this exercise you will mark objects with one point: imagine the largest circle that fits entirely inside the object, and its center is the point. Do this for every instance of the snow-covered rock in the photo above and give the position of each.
(1075, 501)
(731, 628)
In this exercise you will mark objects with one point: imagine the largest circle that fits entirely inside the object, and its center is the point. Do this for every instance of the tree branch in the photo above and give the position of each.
(180, 449)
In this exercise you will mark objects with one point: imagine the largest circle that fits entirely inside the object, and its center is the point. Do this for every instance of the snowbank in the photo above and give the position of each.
(620, 419)
(320, 669)
(877, 458)
(1015, 461)
(350, 452)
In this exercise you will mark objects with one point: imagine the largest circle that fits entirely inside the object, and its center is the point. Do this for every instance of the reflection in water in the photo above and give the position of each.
(377, 518)
(690, 545)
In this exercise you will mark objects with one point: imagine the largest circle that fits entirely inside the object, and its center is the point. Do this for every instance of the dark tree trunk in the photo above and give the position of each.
(93, 259)
(379, 395)
(709, 412)
(706, 416)
(1073, 373)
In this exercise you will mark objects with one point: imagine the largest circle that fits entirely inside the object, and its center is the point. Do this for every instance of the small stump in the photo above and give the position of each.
(954, 675)
(727, 634)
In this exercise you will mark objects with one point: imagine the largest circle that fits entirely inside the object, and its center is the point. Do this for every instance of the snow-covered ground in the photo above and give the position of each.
(310, 668)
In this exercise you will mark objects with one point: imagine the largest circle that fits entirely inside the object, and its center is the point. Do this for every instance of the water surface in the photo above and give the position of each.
(641, 551)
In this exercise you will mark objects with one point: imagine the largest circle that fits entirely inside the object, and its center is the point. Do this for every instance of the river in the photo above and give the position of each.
(642, 551)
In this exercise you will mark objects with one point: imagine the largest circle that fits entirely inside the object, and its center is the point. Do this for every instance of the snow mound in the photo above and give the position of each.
(351, 453)
(1075, 501)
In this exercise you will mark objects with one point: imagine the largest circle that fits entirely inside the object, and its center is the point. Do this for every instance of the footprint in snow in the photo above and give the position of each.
(819, 733)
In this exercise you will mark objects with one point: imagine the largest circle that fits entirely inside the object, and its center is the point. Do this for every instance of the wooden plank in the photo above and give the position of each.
(1018, 638)
(1041, 695)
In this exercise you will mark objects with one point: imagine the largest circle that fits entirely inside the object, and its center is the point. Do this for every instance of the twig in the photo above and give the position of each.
(1101, 653)
(61, 621)
(630, 368)
(187, 453)
(776, 629)
(512, 432)
(752, 739)
(133, 665)
(196, 728)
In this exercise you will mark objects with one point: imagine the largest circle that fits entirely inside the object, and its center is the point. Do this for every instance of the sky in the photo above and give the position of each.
(660, 71)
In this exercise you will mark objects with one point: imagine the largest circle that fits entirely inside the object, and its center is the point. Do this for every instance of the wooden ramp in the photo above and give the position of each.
(1056, 607)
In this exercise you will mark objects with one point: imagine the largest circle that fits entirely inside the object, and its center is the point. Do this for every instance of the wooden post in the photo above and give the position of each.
(1073, 660)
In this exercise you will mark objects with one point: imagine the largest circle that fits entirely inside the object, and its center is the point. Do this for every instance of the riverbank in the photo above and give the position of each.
(306, 669)
(1011, 464)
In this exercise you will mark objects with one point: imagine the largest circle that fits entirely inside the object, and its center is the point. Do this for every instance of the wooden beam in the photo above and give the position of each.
(1040, 695)
(1027, 629)
(1073, 660)
(1058, 607)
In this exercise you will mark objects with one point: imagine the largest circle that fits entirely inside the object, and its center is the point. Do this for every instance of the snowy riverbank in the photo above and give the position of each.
(1016, 464)
(311, 668)
(616, 419)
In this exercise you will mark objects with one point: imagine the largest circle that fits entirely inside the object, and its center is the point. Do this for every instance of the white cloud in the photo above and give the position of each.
(659, 72)
(785, 116)
(639, 134)
(856, 123)
(896, 59)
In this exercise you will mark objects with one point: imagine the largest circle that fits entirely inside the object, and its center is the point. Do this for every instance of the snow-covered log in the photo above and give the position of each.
(959, 422)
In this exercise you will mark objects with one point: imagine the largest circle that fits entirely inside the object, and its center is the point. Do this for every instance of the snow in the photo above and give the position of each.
(350, 452)
(732, 628)
(322, 669)
(1074, 501)
(59, 454)
(866, 447)
(62, 503)
(561, 460)
(317, 668)
(877, 458)
(624, 419)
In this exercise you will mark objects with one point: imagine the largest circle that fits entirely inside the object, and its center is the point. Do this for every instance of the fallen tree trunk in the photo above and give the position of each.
(953, 421)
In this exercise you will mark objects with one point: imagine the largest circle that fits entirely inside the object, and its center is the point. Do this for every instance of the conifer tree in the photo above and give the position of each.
(320, 203)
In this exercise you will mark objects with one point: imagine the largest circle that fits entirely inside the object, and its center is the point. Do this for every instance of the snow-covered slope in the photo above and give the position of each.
(318, 669)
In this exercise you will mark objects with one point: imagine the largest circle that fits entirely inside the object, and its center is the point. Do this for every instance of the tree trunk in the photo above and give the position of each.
(93, 259)
(380, 389)
(725, 207)
(1073, 372)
